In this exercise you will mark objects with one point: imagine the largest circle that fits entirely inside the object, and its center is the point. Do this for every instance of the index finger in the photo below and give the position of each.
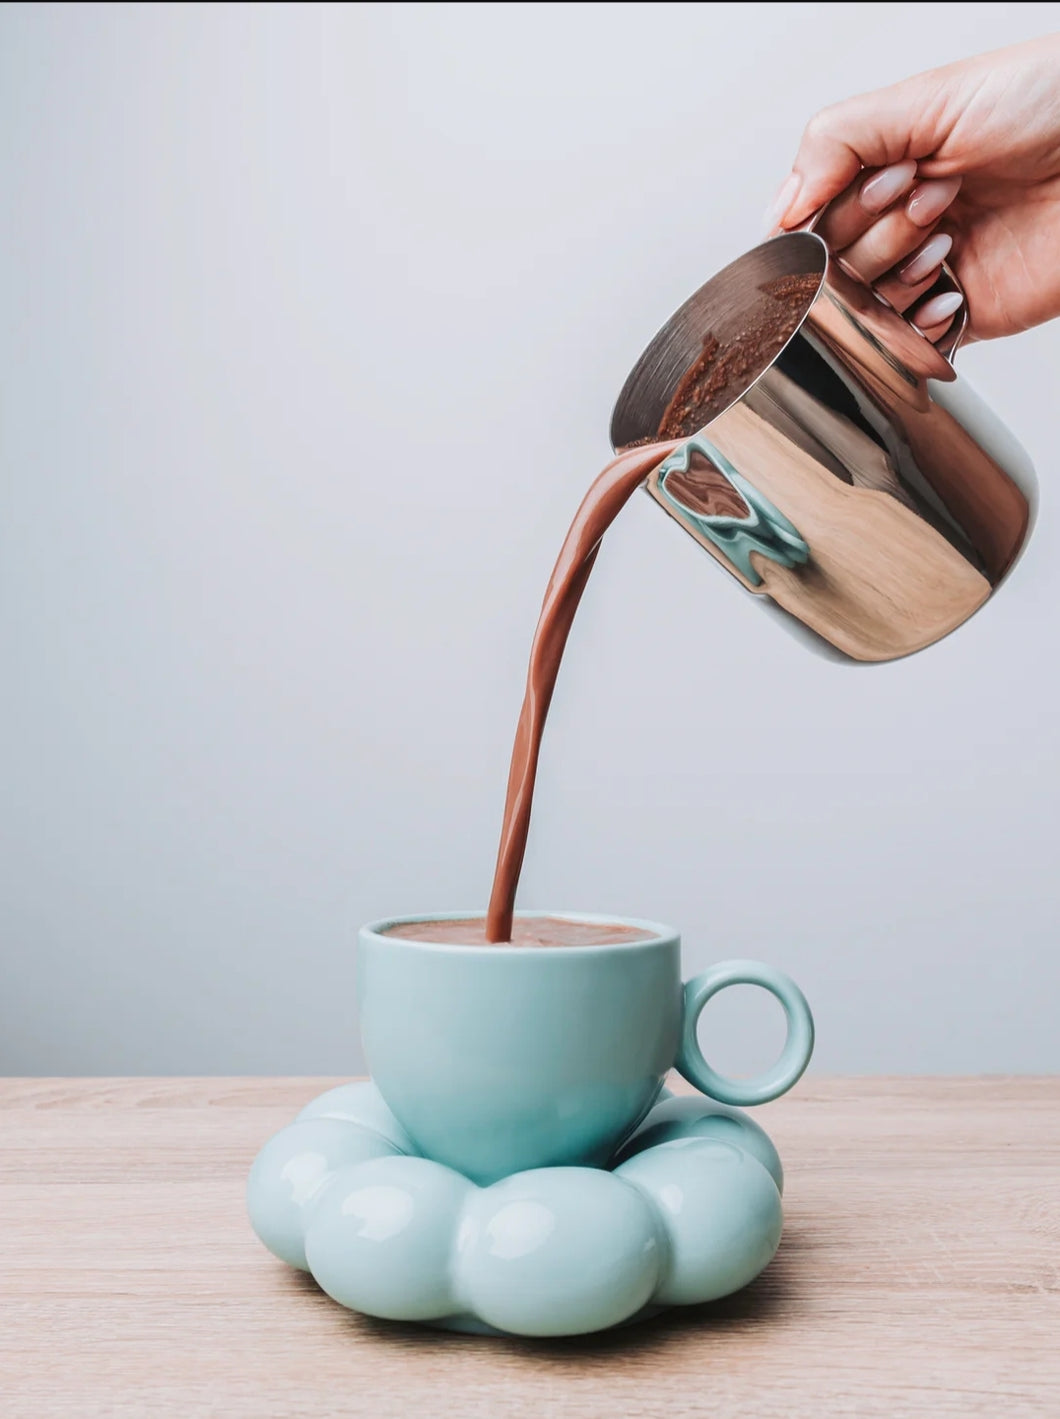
(873, 191)
(873, 130)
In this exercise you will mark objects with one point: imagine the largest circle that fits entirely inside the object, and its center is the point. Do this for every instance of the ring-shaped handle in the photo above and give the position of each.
(794, 1057)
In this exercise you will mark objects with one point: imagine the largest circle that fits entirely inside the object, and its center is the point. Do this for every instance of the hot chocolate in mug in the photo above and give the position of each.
(500, 1058)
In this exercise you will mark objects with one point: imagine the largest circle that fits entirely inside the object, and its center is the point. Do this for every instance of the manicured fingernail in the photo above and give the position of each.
(786, 194)
(938, 309)
(923, 262)
(930, 200)
(887, 186)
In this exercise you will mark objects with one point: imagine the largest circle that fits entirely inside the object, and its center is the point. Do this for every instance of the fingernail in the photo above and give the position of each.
(786, 194)
(887, 186)
(938, 309)
(923, 262)
(931, 199)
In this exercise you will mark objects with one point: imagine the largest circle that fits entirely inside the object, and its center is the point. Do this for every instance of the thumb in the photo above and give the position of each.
(872, 130)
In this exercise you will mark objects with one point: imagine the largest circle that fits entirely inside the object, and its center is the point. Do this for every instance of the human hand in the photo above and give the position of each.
(963, 164)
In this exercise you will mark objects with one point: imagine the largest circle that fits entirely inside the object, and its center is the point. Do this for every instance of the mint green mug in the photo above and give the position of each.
(496, 1059)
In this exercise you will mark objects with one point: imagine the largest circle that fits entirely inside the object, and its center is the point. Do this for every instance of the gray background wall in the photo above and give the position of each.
(312, 321)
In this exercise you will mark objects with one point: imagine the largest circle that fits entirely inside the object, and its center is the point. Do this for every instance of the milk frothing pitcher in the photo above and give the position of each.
(854, 483)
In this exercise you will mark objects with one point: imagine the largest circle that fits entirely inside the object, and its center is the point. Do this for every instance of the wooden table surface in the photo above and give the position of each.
(919, 1273)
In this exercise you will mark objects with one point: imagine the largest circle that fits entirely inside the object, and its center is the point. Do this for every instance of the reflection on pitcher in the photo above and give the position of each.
(846, 477)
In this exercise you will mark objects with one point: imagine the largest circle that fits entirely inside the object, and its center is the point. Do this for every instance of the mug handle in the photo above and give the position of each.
(794, 1057)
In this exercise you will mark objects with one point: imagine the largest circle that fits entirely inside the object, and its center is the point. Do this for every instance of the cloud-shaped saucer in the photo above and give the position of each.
(689, 1211)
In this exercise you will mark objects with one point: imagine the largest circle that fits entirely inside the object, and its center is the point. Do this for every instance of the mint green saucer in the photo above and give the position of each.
(688, 1211)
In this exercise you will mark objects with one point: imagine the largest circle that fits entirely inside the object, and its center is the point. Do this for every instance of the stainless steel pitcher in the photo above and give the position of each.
(855, 483)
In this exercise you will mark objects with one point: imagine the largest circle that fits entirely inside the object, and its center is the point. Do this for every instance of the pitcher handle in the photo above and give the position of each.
(948, 281)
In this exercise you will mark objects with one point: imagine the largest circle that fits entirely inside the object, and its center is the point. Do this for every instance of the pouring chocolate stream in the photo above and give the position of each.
(601, 505)
(714, 379)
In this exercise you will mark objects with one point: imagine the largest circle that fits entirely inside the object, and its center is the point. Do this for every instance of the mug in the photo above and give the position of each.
(499, 1058)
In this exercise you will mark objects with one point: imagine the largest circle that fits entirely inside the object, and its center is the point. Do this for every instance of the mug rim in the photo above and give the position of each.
(660, 934)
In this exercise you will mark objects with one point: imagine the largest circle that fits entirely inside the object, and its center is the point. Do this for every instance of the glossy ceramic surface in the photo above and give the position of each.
(798, 1047)
(690, 1212)
(498, 1059)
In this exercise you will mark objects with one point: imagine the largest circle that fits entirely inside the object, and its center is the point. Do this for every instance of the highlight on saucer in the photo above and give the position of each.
(690, 1213)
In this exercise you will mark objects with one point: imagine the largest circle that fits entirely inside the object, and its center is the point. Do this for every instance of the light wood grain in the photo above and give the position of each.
(919, 1273)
